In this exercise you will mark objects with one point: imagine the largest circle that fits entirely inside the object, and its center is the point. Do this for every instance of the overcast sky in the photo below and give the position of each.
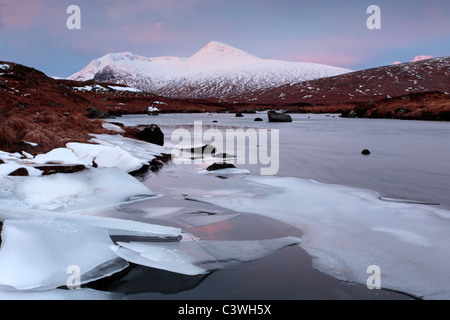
(34, 32)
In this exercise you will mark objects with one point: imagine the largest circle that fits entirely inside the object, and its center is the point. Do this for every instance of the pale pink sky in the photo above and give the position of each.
(34, 33)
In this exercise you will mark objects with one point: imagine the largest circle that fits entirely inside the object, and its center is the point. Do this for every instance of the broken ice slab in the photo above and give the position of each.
(114, 226)
(36, 254)
(198, 257)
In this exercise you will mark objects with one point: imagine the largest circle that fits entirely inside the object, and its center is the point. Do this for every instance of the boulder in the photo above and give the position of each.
(239, 115)
(278, 117)
(218, 166)
(365, 152)
(258, 119)
(224, 156)
(50, 169)
(96, 114)
(21, 172)
(152, 134)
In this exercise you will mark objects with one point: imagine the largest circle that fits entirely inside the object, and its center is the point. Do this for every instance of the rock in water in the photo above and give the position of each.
(258, 119)
(152, 134)
(365, 152)
(218, 166)
(278, 117)
(239, 115)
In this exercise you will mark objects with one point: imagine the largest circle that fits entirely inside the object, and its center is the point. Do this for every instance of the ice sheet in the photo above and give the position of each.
(60, 294)
(88, 189)
(139, 149)
(36, 254)
(114, 226)
(348, 229)
(59, 156)
(199, 257)
(225, 172)
(107, 157)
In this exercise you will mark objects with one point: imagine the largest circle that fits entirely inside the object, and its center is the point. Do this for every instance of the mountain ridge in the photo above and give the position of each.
(215, 71)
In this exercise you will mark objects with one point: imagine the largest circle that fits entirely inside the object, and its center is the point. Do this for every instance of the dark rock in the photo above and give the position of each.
(201, 149)
(141, 173)
(152, 134)
(278, 117)
(224, 156)
(402, 110)
(215, 121)
(53, 169)
(348, 114)
(21, 172)
(1, 161)
(258, 119)
(370, 103)
(159, 161)
(96, 114)
(365, 152)
(218, 166)
(239, 115)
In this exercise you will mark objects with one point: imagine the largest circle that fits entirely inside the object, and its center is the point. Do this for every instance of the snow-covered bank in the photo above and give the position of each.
(56, 231)
(348, 229)
(104, 151)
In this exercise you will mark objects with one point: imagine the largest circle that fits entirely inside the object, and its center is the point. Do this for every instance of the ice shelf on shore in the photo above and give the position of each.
(105, 151)
(88, 189)
(347, 230)
(225, 172)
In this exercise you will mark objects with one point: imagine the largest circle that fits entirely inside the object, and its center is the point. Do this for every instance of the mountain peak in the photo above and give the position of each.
(220, 52)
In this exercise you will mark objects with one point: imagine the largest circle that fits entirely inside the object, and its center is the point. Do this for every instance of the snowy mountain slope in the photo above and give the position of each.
(217, 70)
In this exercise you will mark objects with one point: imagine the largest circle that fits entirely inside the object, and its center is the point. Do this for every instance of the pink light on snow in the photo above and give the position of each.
(422, 57)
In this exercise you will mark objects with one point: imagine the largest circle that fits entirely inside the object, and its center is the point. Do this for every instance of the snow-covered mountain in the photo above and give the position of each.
(217, 70)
